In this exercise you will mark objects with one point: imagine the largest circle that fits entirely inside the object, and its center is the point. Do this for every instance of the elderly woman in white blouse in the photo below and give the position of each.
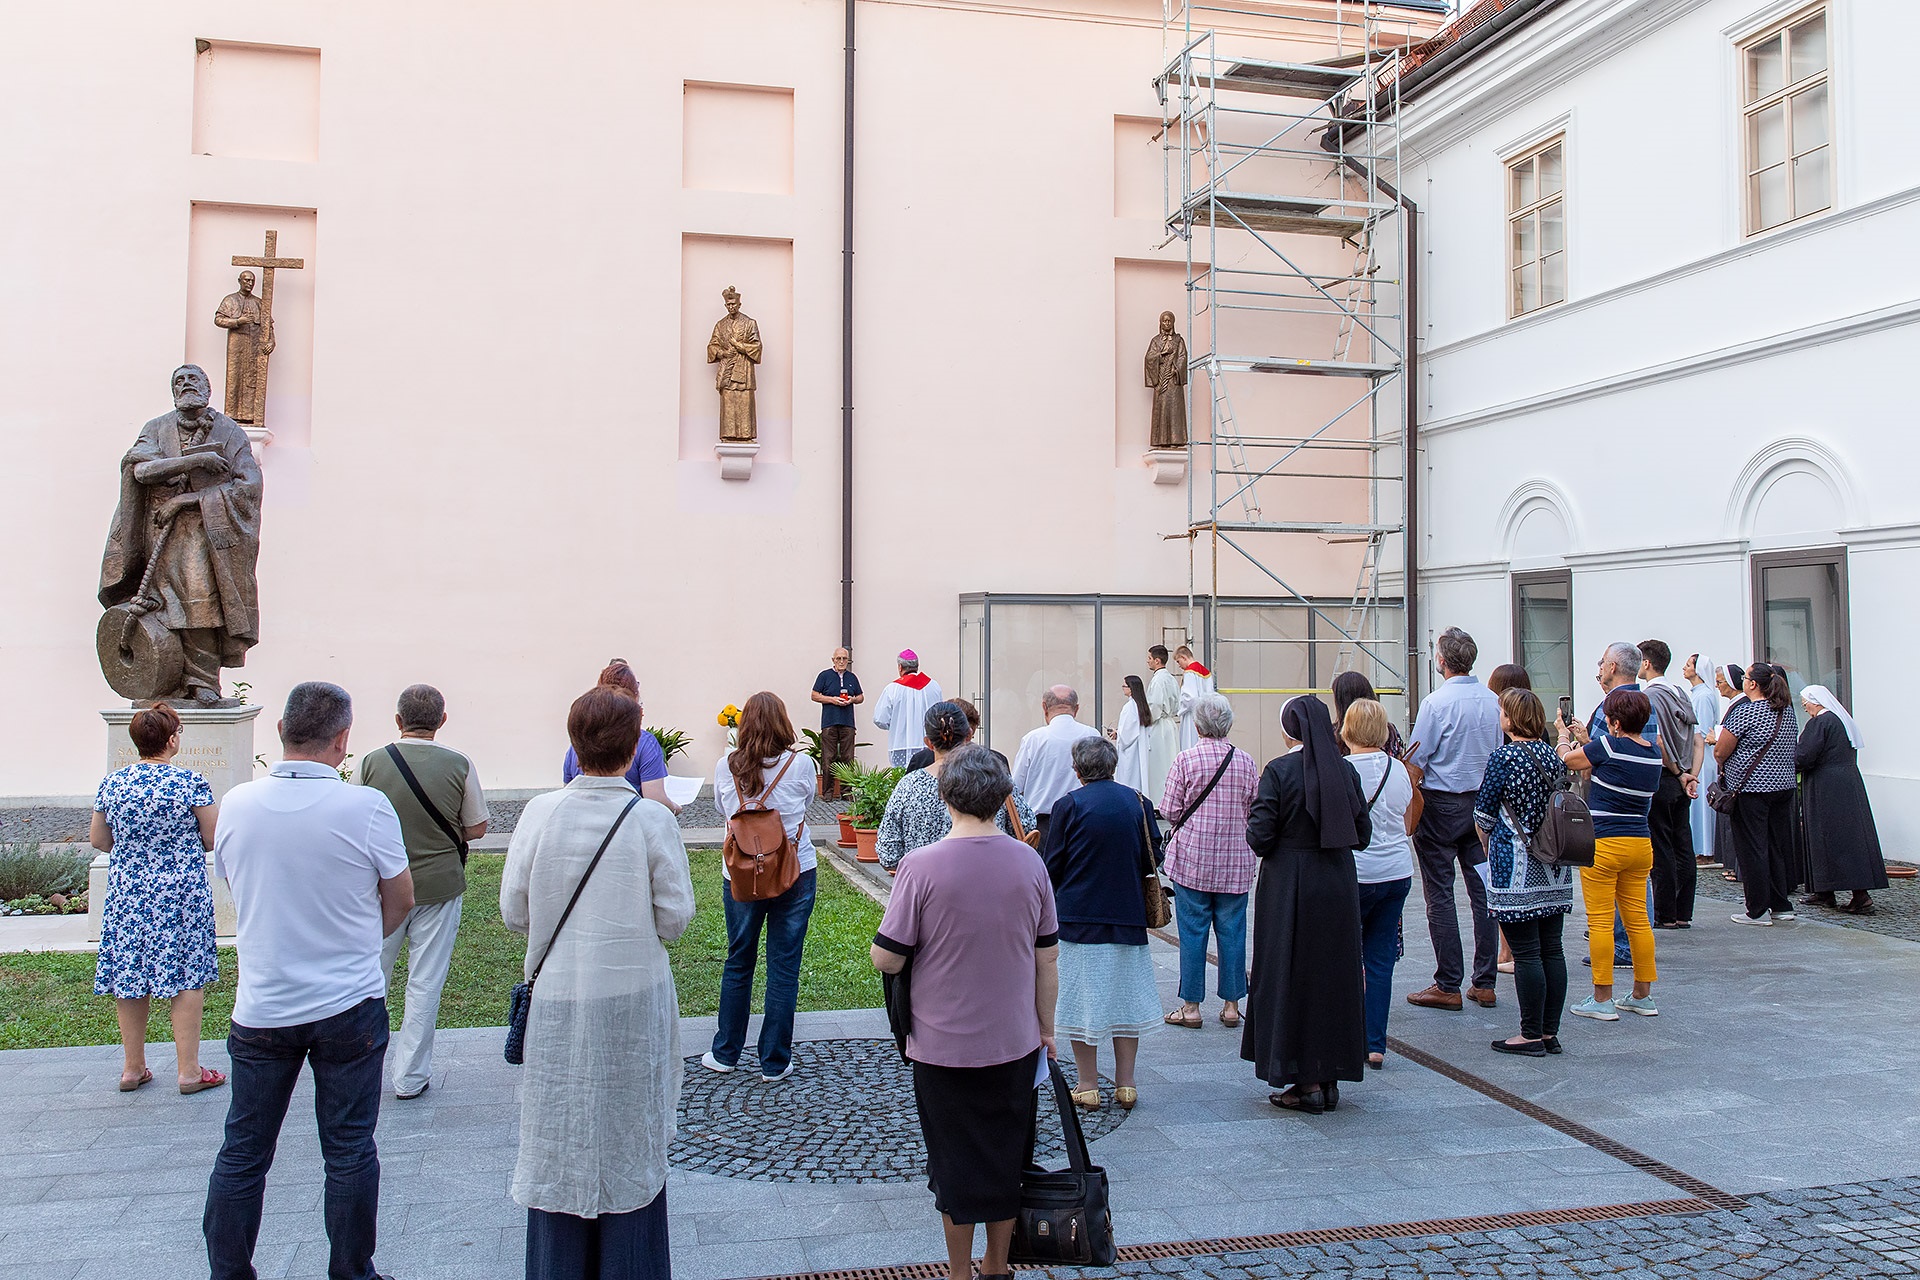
(602, 1080)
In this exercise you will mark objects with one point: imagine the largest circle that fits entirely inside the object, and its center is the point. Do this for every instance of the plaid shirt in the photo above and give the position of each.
(1210, 853)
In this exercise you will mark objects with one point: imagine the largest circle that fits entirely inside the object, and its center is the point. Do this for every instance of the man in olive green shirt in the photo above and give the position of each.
(438, 864)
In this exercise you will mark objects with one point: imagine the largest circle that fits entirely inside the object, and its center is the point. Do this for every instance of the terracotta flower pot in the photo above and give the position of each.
(847, 839)
(866, 841)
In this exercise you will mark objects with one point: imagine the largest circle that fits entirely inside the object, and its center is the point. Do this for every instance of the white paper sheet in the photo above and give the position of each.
(683, 791)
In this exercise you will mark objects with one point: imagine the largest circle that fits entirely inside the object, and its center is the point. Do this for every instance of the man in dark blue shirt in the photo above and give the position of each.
(837, 690)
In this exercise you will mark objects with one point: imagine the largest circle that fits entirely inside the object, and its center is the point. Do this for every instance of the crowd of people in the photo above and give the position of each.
(1023, 905)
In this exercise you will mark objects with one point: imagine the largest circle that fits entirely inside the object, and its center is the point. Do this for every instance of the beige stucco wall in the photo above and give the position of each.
(489, 472)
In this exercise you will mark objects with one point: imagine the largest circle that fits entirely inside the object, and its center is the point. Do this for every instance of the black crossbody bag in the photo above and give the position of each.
(521, 1001)
(433, 811)
(1204, 793)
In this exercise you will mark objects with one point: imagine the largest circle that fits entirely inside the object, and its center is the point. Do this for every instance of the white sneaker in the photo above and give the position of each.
(775, 1079)
(1742, 917)
(712, 1063)
(1784, 915)
(1642, 1005)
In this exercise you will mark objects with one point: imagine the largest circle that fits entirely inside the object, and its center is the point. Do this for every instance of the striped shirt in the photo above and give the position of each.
(1625, 776)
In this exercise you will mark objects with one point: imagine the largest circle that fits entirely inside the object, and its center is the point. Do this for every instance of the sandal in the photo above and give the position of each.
(1190, 1021)
(128, 1086)
(1729, 877)
(1229, 1019)
(209, 1079)
(1126, 1095)
(1086, 1099)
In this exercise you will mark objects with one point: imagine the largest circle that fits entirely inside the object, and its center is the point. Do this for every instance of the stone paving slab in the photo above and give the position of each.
(1772, 1069)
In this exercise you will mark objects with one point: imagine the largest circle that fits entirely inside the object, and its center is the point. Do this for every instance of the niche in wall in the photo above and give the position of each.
(256, 102)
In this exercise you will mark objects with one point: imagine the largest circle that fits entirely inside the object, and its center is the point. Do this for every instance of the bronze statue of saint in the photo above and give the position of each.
(249, 340)
(735, 347)
(177, 579)
(1167, 376)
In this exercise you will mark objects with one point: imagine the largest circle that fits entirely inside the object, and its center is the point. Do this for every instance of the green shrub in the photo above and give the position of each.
(27, 871)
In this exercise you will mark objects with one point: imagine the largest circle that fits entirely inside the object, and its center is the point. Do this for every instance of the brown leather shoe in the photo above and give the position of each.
(1434, 998)
(1482, 996)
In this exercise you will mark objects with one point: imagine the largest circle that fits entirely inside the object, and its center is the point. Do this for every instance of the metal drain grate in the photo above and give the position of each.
(1896, 1239)
(1333, 1235)
(1573, 1129)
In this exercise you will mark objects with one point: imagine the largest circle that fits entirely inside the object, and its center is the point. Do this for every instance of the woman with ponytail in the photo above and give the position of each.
(1755, 754)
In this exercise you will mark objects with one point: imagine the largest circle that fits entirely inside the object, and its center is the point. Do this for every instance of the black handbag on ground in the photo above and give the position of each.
(521, 1000)
(433, 811)
(1064, 1220)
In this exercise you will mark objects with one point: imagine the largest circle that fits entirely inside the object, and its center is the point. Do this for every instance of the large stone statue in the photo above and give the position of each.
(249, 343)
(735, 347)
(177, 579)
(1167, 376)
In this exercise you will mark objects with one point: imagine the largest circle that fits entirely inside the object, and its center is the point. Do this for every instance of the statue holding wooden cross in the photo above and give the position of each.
(248, 320)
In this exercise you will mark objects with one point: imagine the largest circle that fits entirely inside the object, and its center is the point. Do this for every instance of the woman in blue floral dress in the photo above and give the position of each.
(156, 927)
(1530, 899)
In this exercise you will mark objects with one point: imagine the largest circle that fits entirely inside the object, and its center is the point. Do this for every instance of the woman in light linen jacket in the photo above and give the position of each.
(602, 1077)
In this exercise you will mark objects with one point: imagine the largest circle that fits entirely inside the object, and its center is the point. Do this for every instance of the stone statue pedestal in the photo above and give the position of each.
(215, 742)
(1169, 466)
(259, 438)
(736, 458)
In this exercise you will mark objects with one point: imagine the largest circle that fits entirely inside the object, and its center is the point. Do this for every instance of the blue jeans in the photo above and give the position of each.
(348, 1052)
(1195, 912)
(786, 920)
(1380, 906)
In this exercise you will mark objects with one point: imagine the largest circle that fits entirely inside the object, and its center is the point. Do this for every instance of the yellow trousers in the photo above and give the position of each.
(1617, 880)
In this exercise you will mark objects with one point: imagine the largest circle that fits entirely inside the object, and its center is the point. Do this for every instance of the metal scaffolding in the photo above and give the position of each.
(1268, 163)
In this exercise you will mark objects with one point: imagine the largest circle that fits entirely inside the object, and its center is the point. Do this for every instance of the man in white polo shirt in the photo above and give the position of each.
(319, 877)
(1043, 767)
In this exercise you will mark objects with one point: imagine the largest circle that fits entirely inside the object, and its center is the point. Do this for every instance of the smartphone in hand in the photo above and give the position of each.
(1566, 710)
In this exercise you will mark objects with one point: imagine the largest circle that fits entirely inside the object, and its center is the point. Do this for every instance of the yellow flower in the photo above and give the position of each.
(729, 716)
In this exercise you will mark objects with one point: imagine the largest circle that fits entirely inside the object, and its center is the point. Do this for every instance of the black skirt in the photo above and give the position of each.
(978, 1123)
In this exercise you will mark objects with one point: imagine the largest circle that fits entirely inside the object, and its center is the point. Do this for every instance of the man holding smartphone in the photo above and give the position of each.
(1458, 728)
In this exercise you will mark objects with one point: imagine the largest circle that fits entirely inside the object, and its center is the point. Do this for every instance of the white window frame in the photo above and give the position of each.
(1508, 163)
(1750, 227)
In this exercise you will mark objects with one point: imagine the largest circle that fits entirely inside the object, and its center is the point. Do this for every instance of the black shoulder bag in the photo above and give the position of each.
(1720, 796)
(1206, 791)
(1064, 1219)
(433, 811)
(521, 1000)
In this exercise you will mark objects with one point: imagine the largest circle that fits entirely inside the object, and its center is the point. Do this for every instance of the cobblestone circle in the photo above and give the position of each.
(846, 1114)
(1859, 1229)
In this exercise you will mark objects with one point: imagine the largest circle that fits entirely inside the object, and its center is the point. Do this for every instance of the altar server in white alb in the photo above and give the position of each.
(902, 709)
(1129, 735)
(1163, 724)
(1196, 682)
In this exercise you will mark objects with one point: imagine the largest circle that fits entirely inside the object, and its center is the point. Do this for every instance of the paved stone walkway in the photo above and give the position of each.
(1777, 1067)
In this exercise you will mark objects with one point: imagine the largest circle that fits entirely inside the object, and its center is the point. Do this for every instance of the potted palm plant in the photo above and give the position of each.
(868, 805)
(847, 774)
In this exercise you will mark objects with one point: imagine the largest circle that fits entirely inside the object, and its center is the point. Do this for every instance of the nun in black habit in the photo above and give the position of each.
(1305, 1018)
(1843, 846)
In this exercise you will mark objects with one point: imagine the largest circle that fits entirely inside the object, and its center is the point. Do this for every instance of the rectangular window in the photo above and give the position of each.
(1800, 617)
(1543, 632)
(1537, 228)
(1786, 122)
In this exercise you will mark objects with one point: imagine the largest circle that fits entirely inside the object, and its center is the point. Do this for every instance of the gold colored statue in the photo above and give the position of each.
(735, 347)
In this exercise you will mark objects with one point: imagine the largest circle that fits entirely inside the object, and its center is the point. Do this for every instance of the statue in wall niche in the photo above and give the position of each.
(735, 347)
(249, 342)
(1167, 377)
(177, 580)
(248, 321)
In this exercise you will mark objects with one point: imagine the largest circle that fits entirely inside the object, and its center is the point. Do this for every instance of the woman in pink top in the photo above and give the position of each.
(974, 913)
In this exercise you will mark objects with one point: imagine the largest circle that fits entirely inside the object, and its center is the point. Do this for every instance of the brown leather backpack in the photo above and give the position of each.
(762, 859)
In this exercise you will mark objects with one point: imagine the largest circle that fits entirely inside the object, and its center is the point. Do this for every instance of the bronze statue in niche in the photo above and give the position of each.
(248, 321)
(177, 580)
(1167, 377)
(735, 347)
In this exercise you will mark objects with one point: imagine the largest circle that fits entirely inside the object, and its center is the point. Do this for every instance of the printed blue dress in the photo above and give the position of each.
(156, 929)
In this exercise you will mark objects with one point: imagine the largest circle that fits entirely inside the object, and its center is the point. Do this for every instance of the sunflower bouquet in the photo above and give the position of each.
(729, 717)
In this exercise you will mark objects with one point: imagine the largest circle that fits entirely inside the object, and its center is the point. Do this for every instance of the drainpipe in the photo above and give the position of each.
(1410, 385)
(846, 352)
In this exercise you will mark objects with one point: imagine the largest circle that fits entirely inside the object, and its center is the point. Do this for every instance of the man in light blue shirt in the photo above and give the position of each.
(1458, 728)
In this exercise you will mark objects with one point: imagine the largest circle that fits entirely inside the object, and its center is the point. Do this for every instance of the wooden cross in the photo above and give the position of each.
(267, 263)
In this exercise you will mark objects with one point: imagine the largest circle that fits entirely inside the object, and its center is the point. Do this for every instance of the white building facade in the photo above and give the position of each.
(1671, 277)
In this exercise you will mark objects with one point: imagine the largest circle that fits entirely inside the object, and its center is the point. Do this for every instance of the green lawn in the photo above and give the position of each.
(47, 999)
